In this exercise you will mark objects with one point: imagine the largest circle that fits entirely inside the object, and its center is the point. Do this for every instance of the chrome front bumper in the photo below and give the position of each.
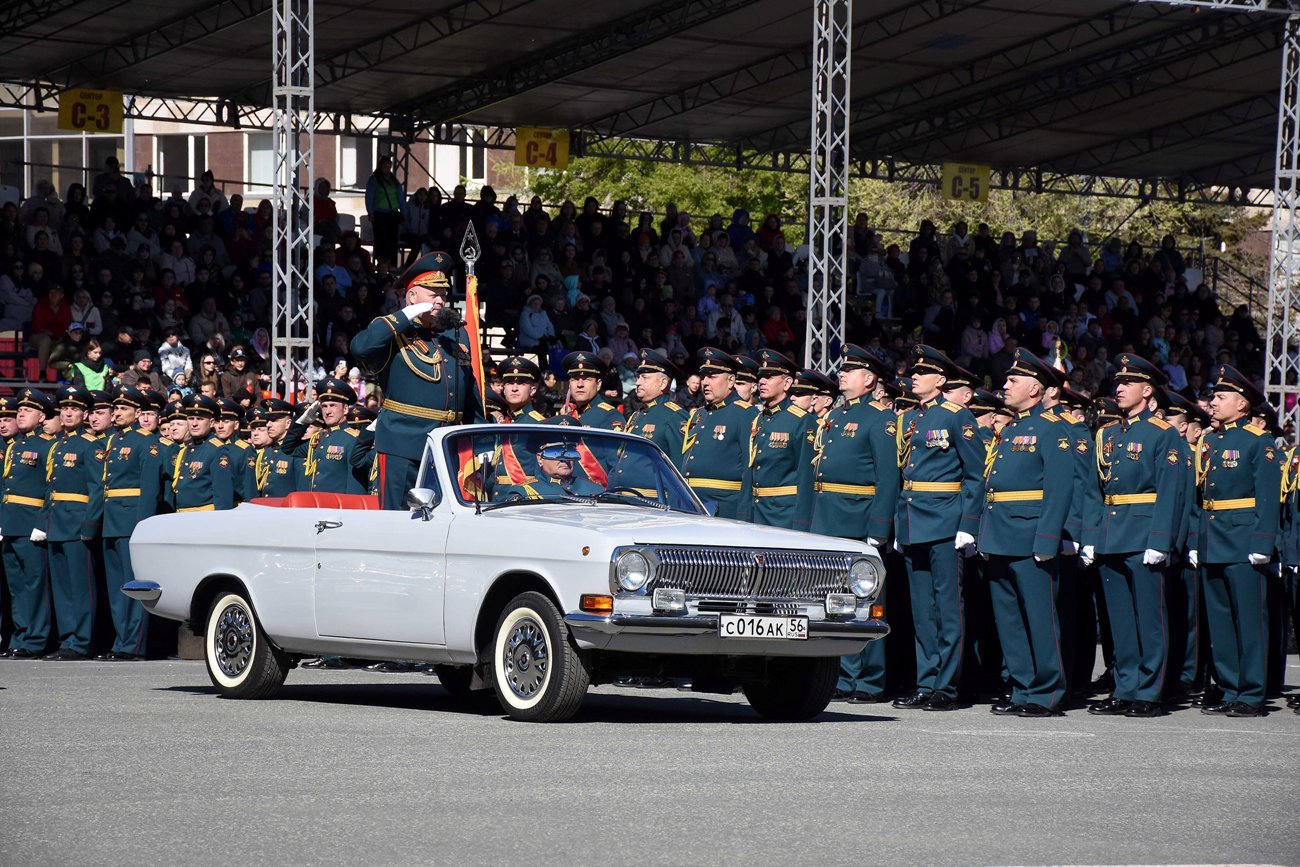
(700, 633)
(144, 591)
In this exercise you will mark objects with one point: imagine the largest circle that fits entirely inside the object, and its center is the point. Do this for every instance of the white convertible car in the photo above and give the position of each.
(534, 560)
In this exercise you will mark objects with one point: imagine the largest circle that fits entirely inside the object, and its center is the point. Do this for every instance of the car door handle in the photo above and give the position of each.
(322, 526)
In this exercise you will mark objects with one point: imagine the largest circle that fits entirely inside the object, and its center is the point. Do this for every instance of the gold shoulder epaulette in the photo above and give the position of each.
(535, 415)
(607, 406)
(352, 432)
(674, 406)
(241, 444)
(89, 437)
(744, 404)
(880, 405)
(1256, 431)
(1160, 423)
(952, 407)
(796, 411)
(1051, 416)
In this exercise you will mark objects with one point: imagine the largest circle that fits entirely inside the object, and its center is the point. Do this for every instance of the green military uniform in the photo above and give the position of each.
(204, 477)
(273, 467)
(780, 456)
(855, 487)
(1141, 461)
(1240, 476)
(243, 458)
(133, 481)
(75, 469)
(169, 448)
(1020, 534)
(426, 380)
(516, 466)
(337, 458)
(942, 462)
(1074, 595)
(1182, 589)
(24, 510)
(715, 446)
(597, 413)
(660, 420)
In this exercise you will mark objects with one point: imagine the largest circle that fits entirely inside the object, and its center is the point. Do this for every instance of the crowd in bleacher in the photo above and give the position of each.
(114, 284)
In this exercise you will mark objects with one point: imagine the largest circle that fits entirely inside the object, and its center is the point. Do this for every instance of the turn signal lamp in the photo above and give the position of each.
(595, 604)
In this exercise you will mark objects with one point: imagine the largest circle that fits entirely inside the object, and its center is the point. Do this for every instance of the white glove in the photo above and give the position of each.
(1258, 559)
(1042, 558)
(38, 535)
(1294, 569)
(965, 543)
(1152, 557)
(1193, 558)
(1087, 554)
(373, 426)
(898, 546)
(415, 311)
(879, 543)
(309, 414)
(1068, 547)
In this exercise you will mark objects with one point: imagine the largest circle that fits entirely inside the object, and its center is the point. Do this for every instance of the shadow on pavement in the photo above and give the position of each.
(603, 708)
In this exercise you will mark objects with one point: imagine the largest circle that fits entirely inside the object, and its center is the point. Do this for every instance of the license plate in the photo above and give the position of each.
(756, 626)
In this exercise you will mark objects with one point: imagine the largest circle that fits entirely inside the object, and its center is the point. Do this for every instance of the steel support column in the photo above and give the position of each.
(1283, 326)
(828, 182)
(293, 125)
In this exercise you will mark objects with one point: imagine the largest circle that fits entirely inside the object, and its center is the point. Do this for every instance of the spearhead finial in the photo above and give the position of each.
(470, 250)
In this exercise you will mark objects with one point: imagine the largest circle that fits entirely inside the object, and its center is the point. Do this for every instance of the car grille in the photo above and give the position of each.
(744, 573)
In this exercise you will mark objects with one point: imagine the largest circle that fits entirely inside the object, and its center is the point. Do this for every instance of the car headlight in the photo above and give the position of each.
(865, 577)
(632, 570)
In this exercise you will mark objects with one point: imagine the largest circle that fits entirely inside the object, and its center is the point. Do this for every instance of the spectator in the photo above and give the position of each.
(90, 371)
(16, 297)
(207, 322)
(237, 376)
(209, 374)
(141, 374)
(50, 320)
(385, 201)
(174, 356)
(207, 194)
(111, 182)
(69, 349)
(536, 330)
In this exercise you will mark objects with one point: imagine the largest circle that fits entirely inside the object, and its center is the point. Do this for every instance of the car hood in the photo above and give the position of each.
(642, 526)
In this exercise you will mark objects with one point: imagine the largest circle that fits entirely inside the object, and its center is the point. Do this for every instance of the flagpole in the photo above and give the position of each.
(470, 251)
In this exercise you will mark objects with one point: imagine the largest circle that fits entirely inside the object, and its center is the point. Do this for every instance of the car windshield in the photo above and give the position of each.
(518, 465)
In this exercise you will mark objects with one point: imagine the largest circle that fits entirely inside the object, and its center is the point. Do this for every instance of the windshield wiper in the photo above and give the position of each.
(529, 501)
(630, 498)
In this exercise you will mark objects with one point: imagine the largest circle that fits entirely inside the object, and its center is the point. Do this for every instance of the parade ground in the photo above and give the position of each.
(141, 763)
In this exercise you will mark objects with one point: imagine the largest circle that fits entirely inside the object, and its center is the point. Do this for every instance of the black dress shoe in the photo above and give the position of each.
(866, 698)
(939, 701)
(1219, 709)
(841, 695)
(4, 654)
(1110, 707)
(106, 656)
(1240, 708)
(118, 656)
(24, 653)
(1105, 683)
(1035, 711)
(1293, 701)
(1143, 709)
(63, 654)
(1209, 698)
(915, 700)
(1006, 708)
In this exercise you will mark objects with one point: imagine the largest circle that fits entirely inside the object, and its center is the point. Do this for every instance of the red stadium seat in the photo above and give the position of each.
(320, 500)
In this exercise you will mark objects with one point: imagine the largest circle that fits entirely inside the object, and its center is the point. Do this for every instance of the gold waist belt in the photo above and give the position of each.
(932, 487)
(837, 488)
(69, 498)
(1013, 496)
(779, 491)
(444, 415)
(1129, 499)
(1224, 505)
(714, 484)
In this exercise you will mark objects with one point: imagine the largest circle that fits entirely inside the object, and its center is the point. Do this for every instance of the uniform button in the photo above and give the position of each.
(909, 499)
(1113, 514)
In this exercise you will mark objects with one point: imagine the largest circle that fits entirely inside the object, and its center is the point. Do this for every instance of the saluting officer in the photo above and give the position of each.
(715, 449)
(75, 469)
(273, 466)
(1239, 474)
(938, 515)
(855, 488)
(204, 477)
(1140, 462)
(585, 371)
(420, 357)
(746, 379)
(1020, 535)
(660, 419)
(338, 458)
(781, 449)
(22, 519)
(132, 486)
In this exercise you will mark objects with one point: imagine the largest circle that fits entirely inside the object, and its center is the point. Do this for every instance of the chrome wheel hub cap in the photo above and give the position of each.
(526, 658)
(233, 641)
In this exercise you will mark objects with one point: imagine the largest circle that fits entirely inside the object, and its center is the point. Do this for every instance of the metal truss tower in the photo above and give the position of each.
(293, 123)
(1282, 358)
(828, 182)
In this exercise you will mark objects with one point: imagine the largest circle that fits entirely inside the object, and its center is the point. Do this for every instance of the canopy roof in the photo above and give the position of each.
(1123, 89)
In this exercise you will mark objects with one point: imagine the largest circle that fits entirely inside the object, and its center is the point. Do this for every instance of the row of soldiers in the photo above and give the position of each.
(1023, 523)
(82, 468)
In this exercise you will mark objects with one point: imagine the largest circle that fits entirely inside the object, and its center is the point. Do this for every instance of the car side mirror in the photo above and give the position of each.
(422, 500)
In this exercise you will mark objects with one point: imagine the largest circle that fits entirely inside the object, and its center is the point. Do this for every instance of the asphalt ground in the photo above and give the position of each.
(141, 763)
